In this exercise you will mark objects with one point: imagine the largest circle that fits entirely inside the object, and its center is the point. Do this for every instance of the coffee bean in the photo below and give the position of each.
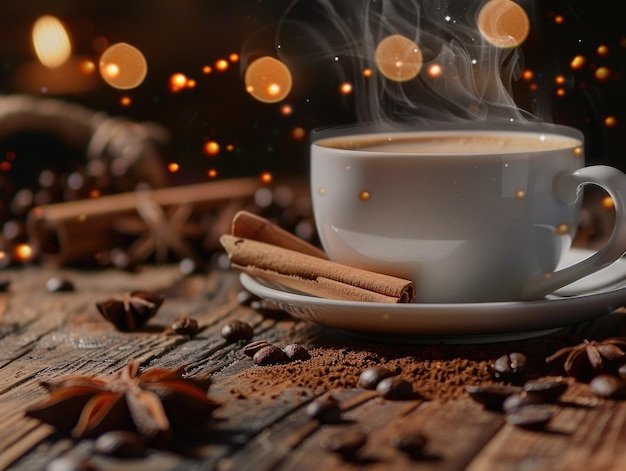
(237, 330)
(269, 355)
(395, 388)
(325, 409)
(547, 391)
(412, 443)
(533, 417)
(185, 326)
(346, 442)
(608, 386)
(515, 401)
(57, 284)
(511, 367)
(253, 347)
(295, 351)
(492, 397)
(370, 377)
(120, 444)
(622, 371)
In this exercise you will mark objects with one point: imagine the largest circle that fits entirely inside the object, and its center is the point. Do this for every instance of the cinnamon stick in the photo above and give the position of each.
(314, 275)
(66, 232)
(252, 226)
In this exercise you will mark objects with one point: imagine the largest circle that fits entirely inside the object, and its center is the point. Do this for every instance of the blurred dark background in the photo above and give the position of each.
(185, 36)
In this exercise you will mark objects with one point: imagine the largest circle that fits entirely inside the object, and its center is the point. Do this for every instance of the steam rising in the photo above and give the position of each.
(471, 77)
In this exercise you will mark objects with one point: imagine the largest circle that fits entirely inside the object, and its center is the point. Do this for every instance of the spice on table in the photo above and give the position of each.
(269, 355)
(237, 330)
(370, 377)
(510, 367)
(590, 358)
(184, 326)
(155, 403)
(250, 349)
(130, 311)
(295, 351)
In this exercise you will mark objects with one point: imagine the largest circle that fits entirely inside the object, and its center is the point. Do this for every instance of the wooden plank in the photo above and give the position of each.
(585, 433)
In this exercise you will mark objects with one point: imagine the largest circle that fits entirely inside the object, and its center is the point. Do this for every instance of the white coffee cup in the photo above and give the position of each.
(470, 214)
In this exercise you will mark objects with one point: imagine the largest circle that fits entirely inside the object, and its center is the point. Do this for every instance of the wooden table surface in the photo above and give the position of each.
(45, 335)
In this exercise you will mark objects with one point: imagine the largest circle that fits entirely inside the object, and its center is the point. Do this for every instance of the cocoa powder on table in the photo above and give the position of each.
(437, 372)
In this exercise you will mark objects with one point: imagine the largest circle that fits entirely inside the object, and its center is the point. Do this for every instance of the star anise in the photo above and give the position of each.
(155, 403)
(160, 232)
(131, 310)
(591, 357)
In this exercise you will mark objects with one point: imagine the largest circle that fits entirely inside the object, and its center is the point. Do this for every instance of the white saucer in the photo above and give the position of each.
(455, 323)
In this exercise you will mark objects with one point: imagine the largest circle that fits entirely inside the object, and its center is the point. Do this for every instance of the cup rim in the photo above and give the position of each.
(319, 135)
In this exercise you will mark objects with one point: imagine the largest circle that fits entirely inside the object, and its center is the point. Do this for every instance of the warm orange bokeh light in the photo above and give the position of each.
(234, 57)
(559, 19)
(602, 73)
(434, 71)
(211, 148)
(212, 173)
(266, 177)
(268, 80)
(178, 82)
(298, 133)
(221, 65)
(345, 88)
(23, 252)
(398, 58)
(51, 42)
(123, 66)
(503, 23)
(367, 72)
(173, 167)
(577, 62)
(87, 67)
(610, 121)
(608, 203)
(125, 101)
(207, 69)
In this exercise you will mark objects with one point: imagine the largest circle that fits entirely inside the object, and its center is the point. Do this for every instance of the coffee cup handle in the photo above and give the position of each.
(567, 187)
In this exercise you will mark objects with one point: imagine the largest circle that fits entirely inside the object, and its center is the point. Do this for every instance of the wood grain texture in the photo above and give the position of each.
(48, 335)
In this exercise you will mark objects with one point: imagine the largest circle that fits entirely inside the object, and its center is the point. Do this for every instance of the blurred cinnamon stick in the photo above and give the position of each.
(66, 232)
(313, 275)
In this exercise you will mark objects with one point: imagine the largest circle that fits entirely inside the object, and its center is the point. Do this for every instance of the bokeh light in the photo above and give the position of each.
(123, 66)
(435, 71)
(268, 80)
(345, 88)
(234, 57)
(266, 177)
(221, 65)
(286, 109)
(87, 67)
(367, 72)
(51, 42)
(125, 101)
(503, 23)
(211, 148)
(602, 73)
(173, 167)
(178, 82)
(207, 69)
(610, 121)
(298, 133)
(23, 252)
(398, 58)
(578, 62)
(528, 75)
(602, 50)
(212, 173)
(608, 203)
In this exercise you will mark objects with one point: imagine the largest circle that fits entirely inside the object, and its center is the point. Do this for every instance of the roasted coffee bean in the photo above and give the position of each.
(295, 351)
(412, 443)
(522, 399)
(492, 397)
(395, 388)
(253, 347)
(120, 443)
(57, 284)
(269, 355)
(325, 409)
(346, 442)
(237, 330)
(185, 326)
(607, 386)
(531, 417)
(622, 371)
(547, 391)
(511, 367)
(370, 377)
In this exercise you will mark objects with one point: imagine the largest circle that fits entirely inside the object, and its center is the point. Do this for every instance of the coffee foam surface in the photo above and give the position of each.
(452, 142)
